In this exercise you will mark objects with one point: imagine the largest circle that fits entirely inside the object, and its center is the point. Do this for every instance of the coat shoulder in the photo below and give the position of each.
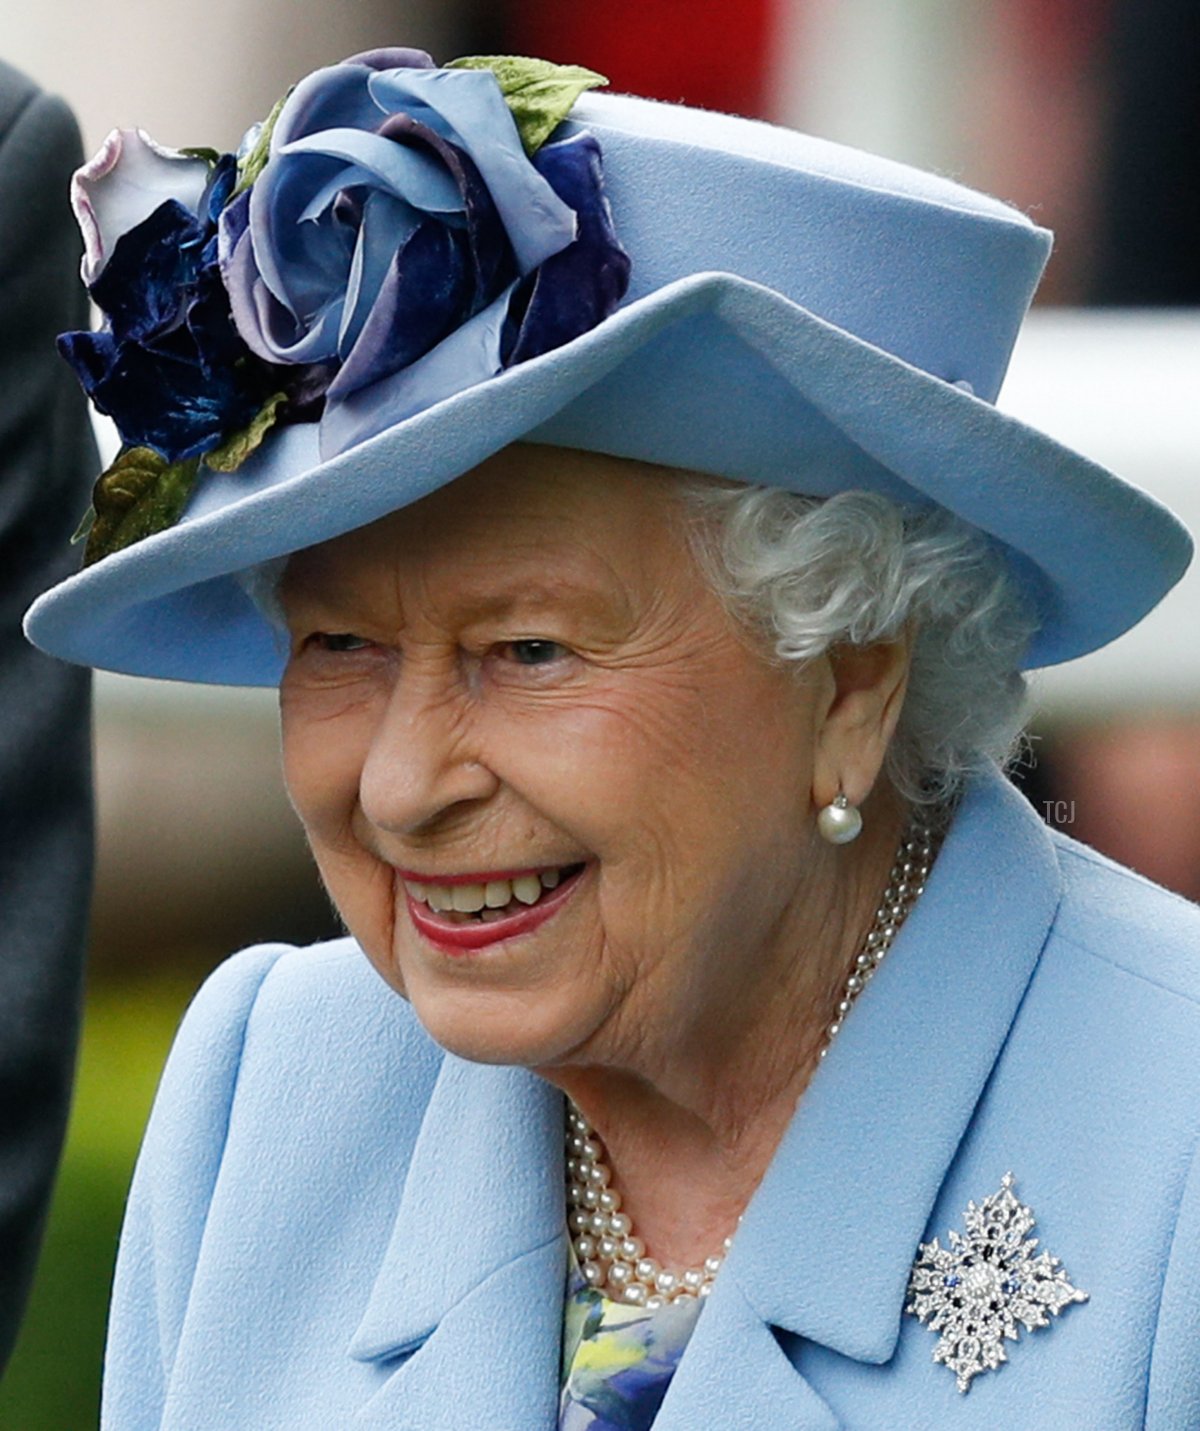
(317, 1021)
(292, 1005)
(1128, 921)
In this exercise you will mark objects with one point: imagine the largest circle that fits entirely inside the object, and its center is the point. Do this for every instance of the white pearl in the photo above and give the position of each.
(593, 1274)
(590, 1150)
(585, 1248)
(654, 1301)
(606, 1246)
(620, 1274)
(580, 1220)
(839, 824)
(693, 1278)
(597, 1224)
(706, 1290)
(620, 1224)
(636, 1294)
(712, 1265)
(610, 1199)
(633, 1249)
(666, 1282)
(647, 1269)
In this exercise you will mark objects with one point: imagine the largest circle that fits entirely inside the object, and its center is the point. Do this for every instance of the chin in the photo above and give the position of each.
(520, 1028)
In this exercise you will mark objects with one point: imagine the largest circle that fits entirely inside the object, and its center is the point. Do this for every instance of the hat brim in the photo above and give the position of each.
(711, 373)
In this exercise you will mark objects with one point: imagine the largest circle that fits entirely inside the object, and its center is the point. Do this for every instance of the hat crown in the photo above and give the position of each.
(935, 273)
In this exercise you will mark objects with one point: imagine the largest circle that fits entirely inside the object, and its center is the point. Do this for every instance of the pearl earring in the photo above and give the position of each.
(840, 822)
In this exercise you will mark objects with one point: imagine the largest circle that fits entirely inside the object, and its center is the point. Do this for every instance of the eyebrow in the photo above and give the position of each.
(539, 596)
(492, 602)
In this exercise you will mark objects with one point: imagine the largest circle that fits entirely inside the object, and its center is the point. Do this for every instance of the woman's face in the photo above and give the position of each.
(526, 674)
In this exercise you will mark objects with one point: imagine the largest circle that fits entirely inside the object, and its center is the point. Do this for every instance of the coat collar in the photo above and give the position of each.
(826, 1245)
(473, 1279)
(483, 1190)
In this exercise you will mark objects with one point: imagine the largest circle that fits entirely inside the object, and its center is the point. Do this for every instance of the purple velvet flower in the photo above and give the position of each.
(400, 237)
(168, 366)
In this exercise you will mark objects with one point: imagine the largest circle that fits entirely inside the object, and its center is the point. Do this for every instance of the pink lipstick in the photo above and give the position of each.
(461, 938)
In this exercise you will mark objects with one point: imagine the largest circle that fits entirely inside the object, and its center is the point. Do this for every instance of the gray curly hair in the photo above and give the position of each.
(805, 573)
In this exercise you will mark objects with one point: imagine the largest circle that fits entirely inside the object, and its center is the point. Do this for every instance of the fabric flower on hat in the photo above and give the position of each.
(398, 229)
(393, 234)
(168, 365)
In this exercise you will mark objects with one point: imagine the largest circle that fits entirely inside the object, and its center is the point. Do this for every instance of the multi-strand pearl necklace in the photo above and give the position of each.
(612, 1258)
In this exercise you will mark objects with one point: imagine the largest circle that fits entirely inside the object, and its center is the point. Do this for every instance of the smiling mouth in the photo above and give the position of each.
(468, 915)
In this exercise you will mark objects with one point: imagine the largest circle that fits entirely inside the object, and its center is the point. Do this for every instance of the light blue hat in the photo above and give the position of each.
(798, 314)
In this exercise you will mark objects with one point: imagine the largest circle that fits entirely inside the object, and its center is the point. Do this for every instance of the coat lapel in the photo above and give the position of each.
(469, 1292)
(735, 1375)
(827, 1243)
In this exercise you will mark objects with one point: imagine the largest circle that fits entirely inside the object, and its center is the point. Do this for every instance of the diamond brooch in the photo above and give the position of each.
(980, 1290)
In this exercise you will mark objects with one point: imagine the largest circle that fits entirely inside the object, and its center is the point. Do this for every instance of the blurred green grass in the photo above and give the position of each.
(53, 1380)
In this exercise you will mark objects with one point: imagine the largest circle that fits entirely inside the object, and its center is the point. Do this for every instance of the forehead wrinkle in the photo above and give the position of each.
(502, 583)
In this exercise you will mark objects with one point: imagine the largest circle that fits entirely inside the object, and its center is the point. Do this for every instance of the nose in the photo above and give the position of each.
(422, 769)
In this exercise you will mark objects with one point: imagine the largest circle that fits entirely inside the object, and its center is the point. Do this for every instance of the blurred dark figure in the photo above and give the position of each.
(47, 461)
(1149, 220)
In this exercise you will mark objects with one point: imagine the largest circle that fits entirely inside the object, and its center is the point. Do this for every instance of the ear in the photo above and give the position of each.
(868, 686)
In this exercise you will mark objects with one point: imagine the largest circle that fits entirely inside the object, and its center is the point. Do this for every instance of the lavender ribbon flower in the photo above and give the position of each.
(400, 236)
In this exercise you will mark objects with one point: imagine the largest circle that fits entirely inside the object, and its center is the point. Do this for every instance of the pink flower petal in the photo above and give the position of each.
(126, 180)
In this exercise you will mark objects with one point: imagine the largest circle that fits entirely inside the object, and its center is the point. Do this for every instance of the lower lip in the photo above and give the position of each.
(463, 938)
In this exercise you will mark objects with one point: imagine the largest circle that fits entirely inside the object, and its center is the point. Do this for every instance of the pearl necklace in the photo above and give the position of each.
(612, 1258)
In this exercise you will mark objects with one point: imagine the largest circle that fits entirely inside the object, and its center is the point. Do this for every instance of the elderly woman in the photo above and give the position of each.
(614, 492)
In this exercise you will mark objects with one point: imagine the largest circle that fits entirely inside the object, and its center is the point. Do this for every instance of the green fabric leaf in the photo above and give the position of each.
(256, 161)
(86, 523)
(540, 94)
(201, 151)
(234, 450)
(140, 494)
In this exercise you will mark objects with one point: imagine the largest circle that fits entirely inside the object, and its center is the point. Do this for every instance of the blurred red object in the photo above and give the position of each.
(713, 56)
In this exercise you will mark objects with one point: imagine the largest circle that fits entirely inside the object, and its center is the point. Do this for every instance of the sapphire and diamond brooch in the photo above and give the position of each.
(980, 1290)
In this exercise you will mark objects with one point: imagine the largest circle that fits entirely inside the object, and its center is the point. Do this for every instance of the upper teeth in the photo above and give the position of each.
(495, 894)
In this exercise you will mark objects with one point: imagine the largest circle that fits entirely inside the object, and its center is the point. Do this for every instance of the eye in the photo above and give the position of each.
(336, 641)
(535, 651)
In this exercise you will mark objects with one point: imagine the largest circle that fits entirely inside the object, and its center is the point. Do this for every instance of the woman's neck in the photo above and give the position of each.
(690, 1123)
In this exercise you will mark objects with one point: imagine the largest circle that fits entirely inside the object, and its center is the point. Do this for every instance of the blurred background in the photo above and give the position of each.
(1084, 113)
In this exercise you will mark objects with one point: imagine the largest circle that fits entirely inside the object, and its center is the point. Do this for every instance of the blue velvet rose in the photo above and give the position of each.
(168, 365)
(401, 236)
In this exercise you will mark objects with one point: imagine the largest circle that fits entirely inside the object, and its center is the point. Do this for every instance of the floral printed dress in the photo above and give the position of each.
(618, 1360)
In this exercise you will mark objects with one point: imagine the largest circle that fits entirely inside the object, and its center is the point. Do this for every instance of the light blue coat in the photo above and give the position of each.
(334, 1225)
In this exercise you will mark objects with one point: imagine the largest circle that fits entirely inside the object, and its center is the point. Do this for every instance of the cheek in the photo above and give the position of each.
(324, 746)
(669, 779)
(322, 768)
(320, 778)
